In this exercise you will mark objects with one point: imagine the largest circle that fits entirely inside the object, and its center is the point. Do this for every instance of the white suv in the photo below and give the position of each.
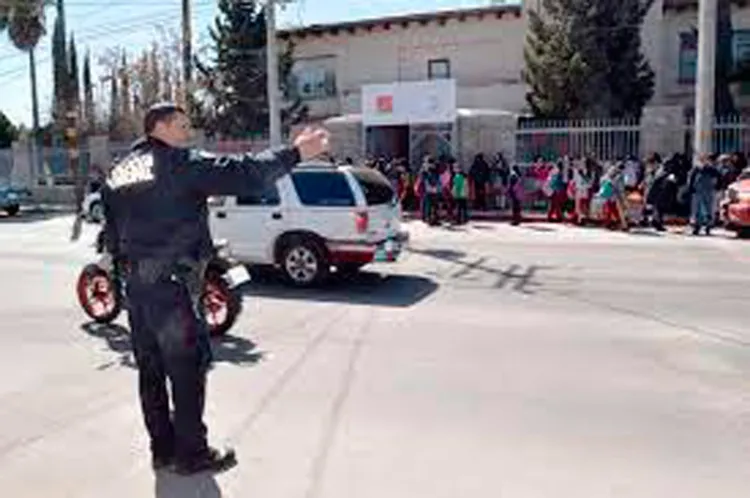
(317, 217)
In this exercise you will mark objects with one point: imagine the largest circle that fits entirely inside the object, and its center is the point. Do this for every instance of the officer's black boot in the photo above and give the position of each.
(212, 460)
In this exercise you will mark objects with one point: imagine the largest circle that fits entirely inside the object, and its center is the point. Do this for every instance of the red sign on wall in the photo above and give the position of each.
(384, 103)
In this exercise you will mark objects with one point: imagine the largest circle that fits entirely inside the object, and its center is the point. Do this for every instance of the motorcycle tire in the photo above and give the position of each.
(217, 295)
(93, 275)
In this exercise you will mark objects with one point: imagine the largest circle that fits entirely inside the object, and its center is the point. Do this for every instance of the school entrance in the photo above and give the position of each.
(410, 120)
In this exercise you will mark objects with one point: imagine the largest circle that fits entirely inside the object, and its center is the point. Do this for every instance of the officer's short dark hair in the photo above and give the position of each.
(163, 111)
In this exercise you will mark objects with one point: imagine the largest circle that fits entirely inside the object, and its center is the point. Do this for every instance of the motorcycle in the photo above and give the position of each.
(102, 293)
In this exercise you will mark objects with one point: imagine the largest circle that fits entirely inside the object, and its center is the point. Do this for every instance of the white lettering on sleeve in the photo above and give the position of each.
(134, 170)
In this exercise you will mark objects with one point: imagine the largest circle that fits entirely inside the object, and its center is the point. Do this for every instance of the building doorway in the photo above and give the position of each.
(435, 141)
(389, 142)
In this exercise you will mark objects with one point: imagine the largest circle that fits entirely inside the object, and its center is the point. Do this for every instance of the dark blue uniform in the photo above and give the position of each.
(157, 222)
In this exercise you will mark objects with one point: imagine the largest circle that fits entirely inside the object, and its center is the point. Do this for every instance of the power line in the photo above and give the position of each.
(131, 27)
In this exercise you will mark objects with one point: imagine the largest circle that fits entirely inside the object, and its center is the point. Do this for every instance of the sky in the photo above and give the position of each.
(100, 25)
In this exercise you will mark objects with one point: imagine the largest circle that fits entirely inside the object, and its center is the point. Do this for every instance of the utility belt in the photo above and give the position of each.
(185, 271)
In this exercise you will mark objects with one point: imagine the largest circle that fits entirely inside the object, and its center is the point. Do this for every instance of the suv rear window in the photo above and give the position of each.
(374, 185)
(323, 188)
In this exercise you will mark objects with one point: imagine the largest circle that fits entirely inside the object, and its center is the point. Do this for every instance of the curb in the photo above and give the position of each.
(498, 217)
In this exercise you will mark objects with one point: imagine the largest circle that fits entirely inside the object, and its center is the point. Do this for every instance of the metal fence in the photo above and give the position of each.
(729, 134)
(6, 164)
(604, 139)
(612, 139)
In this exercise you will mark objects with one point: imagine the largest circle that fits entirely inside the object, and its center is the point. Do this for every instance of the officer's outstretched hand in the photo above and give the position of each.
(312, 143)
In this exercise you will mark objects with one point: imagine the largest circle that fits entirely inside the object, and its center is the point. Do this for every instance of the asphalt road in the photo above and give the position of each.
(492, 361)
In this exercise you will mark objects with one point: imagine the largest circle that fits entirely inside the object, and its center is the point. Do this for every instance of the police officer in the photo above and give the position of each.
(156, 222)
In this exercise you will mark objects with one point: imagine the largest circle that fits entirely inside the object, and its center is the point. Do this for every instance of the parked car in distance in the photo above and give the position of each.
(92, 208)
(318, 218)
(735, 207)
(12, 198)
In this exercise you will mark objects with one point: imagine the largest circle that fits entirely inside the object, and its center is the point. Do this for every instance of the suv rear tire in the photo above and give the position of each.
(304, 262)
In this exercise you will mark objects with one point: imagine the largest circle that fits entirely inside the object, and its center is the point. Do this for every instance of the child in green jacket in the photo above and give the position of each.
(460, 191)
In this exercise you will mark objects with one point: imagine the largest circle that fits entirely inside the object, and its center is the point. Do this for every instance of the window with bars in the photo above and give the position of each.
(688, 57)
(315, 78)
(741, 55)
(438, 69)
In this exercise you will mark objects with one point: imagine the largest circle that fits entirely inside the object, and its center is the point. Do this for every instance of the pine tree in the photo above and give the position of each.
(74, 89)
(237, 75)
(584, 59)
(60, 75)
(89, 112)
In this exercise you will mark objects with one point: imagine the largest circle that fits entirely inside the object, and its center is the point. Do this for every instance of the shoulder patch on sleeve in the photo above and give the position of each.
(135, 169)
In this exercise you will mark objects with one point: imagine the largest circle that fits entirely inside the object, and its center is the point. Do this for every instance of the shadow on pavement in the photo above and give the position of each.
(516, 277)
(168, 485)
(364, 288)
(227, 349)
(447, 254)
(537, 228)
(645, 232)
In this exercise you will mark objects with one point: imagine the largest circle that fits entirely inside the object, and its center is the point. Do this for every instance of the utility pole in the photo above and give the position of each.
(272, 73)
(704, 92)
(71, 143)
(36, 142)
(187, 48)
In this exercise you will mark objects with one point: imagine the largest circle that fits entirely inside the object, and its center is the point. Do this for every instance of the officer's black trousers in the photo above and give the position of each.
(170, 341)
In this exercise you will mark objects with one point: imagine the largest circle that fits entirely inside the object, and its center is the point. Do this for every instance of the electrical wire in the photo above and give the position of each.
(130, 27)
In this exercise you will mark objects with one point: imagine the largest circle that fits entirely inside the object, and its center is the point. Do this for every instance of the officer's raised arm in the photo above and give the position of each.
(212, 174)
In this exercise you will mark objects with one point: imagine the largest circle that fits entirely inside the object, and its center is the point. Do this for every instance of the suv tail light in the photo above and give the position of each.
(361, 221)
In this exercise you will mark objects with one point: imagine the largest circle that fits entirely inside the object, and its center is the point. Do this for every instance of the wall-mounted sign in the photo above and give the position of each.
(414, 102)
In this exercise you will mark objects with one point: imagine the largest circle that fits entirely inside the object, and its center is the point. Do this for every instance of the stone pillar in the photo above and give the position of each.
(22, 173)
(662, 130)
(488, 134)
(346, 138)
(504, 128)
(99, 154)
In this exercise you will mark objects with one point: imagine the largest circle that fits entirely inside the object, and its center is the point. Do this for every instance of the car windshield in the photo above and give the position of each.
(375, 186)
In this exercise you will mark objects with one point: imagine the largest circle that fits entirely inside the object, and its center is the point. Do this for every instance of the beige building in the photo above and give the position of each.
(674, 50)
(482, 51)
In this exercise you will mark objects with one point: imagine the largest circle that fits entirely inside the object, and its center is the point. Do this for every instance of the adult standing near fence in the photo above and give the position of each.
(480, 176)
(515, 194)
(702, 184)
(583, 181)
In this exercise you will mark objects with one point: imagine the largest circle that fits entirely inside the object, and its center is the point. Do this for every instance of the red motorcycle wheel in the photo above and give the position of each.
(221, 305)
(98, 295)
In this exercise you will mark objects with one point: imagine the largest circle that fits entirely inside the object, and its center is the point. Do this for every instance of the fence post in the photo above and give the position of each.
(99, 154)
(22, 173)
(662, 130)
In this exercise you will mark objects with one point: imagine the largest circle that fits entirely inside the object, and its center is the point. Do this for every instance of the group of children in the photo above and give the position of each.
(443, 190)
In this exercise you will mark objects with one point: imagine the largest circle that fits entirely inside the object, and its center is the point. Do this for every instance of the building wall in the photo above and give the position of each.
(485, 56)
(674, 90)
